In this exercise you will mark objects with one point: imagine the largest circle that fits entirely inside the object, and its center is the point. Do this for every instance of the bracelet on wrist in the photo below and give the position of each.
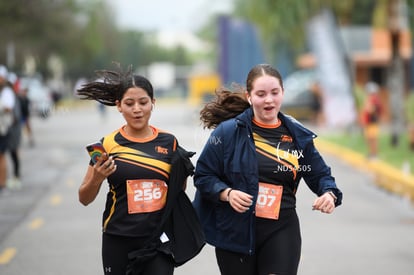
(228, 194)
(332, 195)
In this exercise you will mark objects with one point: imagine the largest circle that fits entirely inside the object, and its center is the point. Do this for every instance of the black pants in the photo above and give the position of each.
(115, 251)
(277, 251)
(16, 163)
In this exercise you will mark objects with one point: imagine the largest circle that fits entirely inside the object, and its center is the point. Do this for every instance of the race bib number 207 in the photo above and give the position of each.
(146, 195)
(268, 201)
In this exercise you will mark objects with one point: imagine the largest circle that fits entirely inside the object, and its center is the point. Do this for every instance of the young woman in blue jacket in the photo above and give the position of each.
(247, 176)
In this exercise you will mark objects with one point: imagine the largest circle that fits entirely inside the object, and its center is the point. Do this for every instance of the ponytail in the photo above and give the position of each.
(225, 105)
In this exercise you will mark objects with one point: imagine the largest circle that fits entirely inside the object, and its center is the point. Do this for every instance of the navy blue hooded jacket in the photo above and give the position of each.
(229, 160)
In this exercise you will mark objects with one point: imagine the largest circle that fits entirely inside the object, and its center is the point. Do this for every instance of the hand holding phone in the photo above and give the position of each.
(96, 151)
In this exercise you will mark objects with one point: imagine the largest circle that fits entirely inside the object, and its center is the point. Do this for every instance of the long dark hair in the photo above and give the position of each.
(226, 104)
(229, 103)
(112, 85)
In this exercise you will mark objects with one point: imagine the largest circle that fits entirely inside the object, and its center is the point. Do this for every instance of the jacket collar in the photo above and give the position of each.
(301, 135)
(245, 118)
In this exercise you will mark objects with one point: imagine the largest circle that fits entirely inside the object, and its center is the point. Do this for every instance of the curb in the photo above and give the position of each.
(386, 176)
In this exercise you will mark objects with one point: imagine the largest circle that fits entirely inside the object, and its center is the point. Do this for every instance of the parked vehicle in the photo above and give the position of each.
(40, 96)
(298, 99)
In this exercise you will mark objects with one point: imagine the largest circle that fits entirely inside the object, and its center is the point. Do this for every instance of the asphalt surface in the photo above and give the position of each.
(45, 230)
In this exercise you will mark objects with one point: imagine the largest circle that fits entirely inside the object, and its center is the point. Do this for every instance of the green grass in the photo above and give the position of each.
(396, 156)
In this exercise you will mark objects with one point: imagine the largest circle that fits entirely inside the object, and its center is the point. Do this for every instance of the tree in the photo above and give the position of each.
(34, 28)
(397, 22)
(83, 34)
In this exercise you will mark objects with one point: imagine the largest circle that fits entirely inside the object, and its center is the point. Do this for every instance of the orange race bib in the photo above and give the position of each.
(146, 195)
(268, 201)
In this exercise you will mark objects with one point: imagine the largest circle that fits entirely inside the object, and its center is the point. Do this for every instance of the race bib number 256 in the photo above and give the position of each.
(146, 195)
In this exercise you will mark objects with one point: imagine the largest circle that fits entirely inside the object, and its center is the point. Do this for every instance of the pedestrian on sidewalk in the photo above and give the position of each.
(26, 116)
(371, 114)
(137, 169)
(248, 173)
(14, 181)
(7, 102)
(317, 104)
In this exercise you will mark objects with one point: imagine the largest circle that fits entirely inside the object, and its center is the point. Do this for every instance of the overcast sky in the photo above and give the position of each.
(170, 15)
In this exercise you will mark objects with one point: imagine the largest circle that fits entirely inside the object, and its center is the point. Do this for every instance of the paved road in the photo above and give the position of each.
(45, 230)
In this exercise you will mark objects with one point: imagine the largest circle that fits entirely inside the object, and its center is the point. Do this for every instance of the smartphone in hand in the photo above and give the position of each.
(95, 151)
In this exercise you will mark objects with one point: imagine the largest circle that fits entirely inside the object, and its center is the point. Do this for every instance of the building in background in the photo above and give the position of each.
(370, 54)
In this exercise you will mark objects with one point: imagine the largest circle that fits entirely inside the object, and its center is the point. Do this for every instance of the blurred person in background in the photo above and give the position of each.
(371, 115)
(101, 107)
(248, 173)
(25, 116)
(14, 181)
(102, 110)
(7, 102)
(317, 104)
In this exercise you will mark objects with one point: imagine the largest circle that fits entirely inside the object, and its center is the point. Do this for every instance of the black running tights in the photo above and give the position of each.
(278, 254)
(115, 251)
